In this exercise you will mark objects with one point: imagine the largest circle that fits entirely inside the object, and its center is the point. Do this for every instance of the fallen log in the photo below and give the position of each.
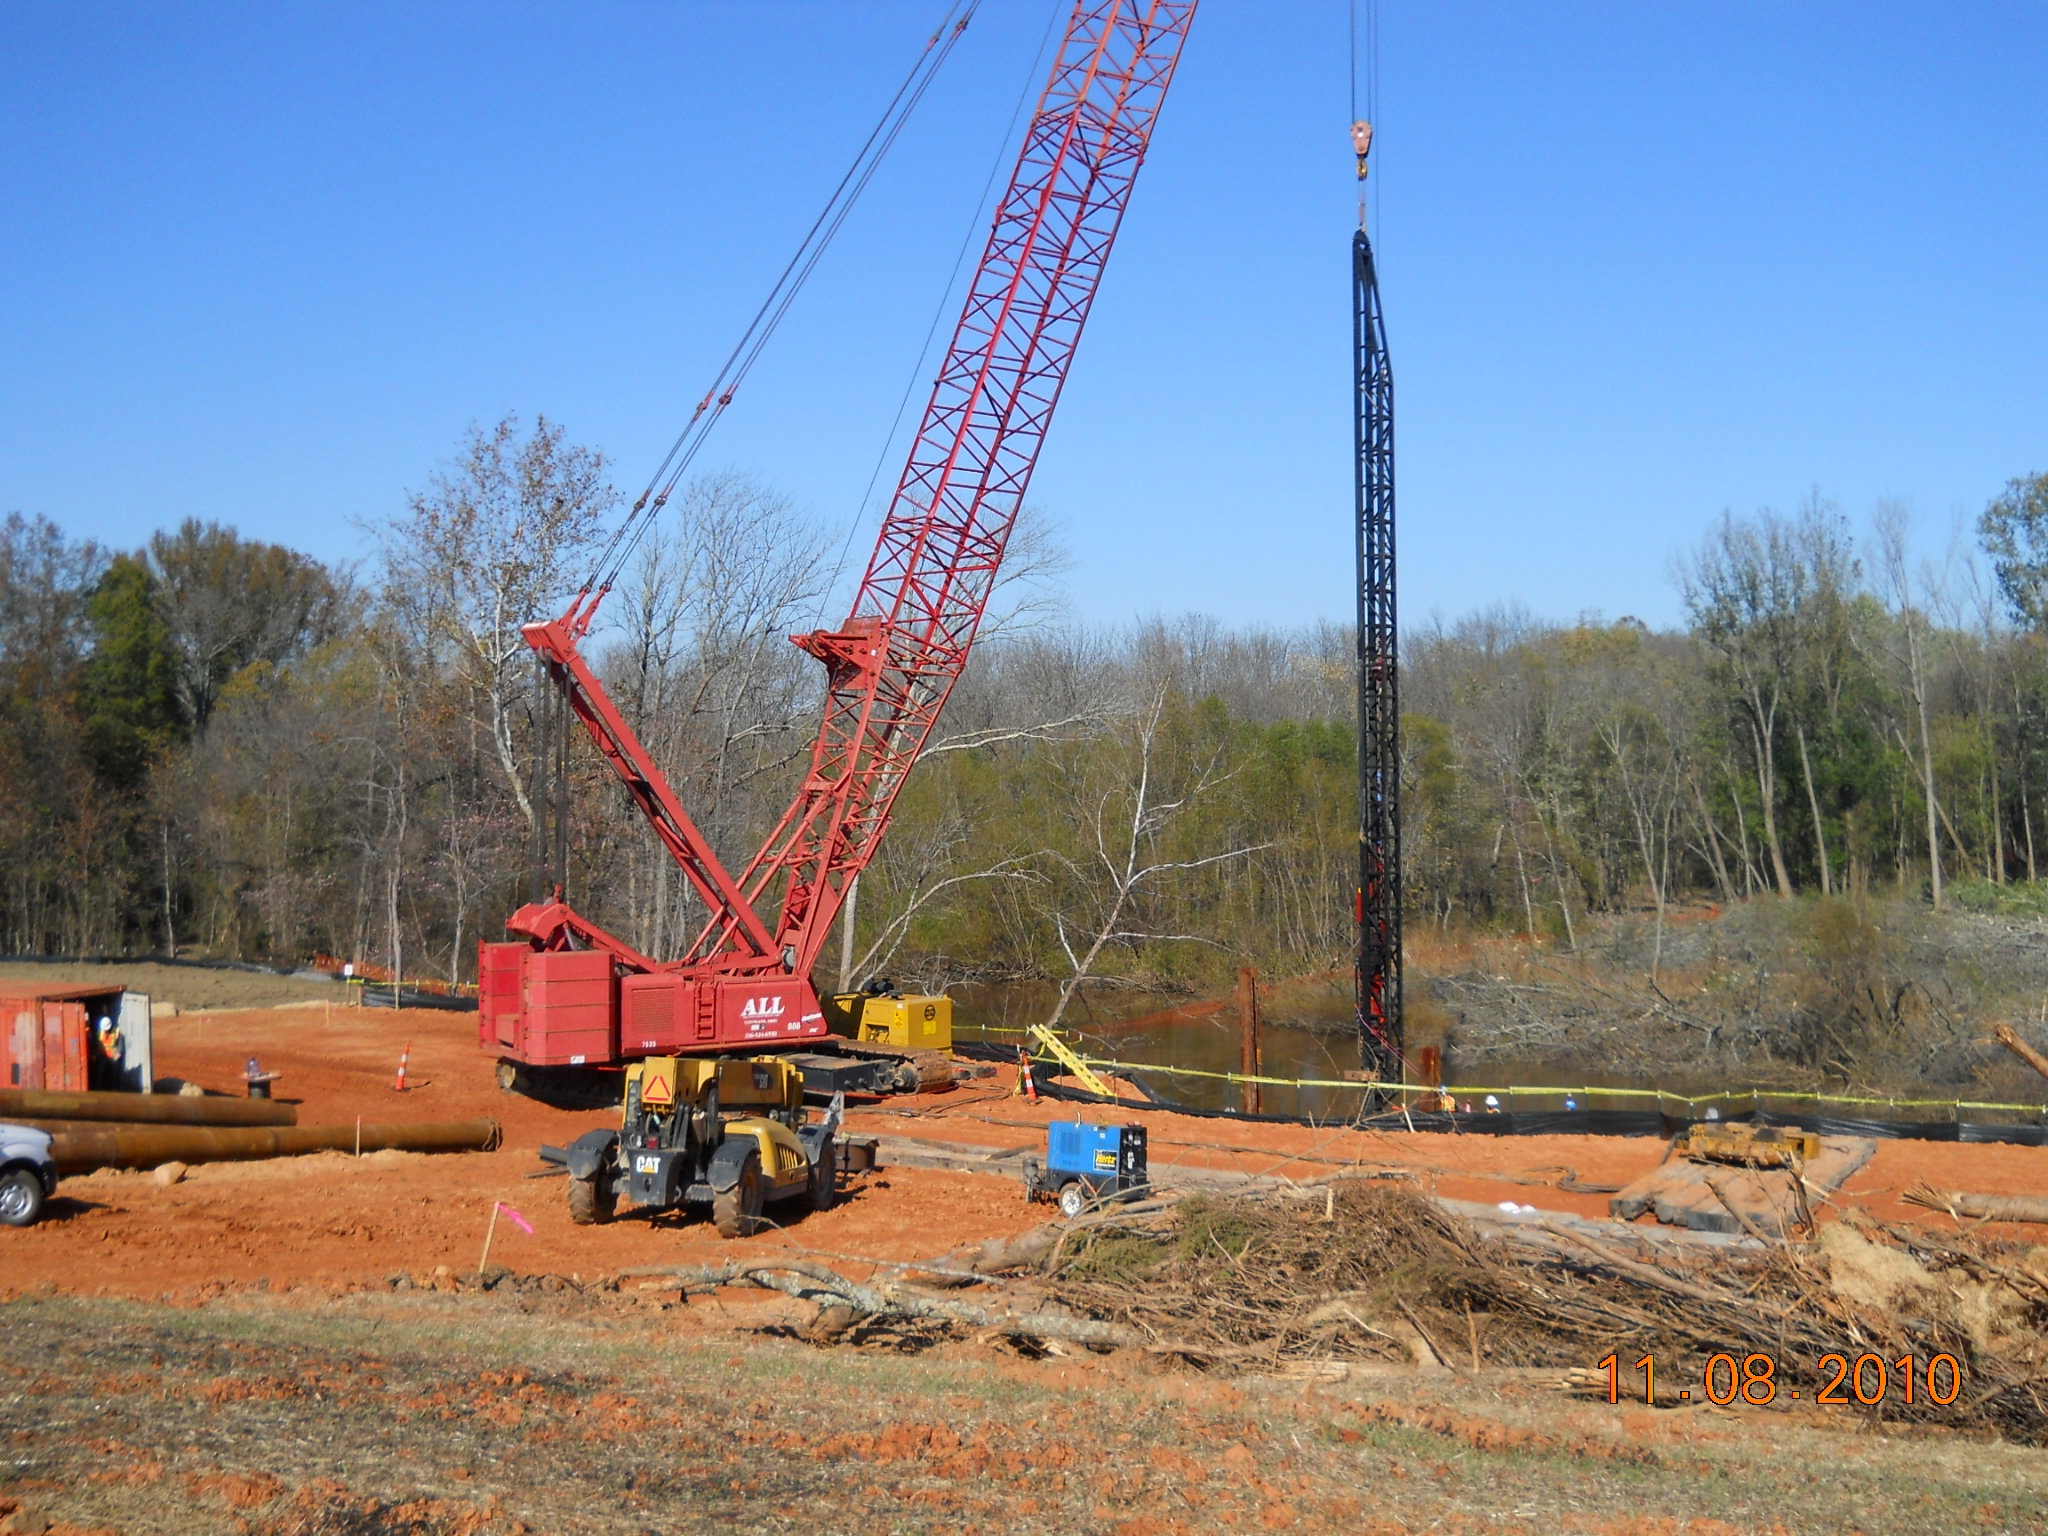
(142, 1108)
(2012, 1042)
(1979, 1207)
(1642, 1274)
(829, 1288)
(1026, 1250)
(80, 1151)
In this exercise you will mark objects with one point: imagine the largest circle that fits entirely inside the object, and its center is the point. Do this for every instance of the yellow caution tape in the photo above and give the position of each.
(1084, 1068)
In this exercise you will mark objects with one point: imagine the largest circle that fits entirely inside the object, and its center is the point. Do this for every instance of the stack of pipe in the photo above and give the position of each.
(127, 1130)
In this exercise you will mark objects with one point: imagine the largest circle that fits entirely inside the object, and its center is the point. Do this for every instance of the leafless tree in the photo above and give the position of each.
(1126, 825)
(495, 542)
(1892, 526)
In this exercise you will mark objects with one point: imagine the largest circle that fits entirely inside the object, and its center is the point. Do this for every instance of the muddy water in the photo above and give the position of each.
(1307, 1033)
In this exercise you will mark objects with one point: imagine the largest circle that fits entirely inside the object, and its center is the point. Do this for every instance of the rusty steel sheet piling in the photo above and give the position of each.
(79, 1151)
(142, 1108)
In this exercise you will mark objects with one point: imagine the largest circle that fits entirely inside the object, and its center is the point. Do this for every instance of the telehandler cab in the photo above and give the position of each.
(726, 1132)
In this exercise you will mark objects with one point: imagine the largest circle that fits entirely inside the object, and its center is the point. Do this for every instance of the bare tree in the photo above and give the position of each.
(1126, 825)
(1753, 590)
(1893, 526)
(703, 667)
(494, 543)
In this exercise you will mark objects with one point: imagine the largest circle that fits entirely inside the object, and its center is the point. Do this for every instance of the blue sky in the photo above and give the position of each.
(1641, 263)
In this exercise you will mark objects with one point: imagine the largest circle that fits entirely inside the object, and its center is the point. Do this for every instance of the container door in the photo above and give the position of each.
(138, 1043)
(25, 1050)
(64, 1059)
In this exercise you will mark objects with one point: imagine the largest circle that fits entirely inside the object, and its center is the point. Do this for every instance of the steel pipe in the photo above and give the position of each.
(142, 1108)
(78, 1151)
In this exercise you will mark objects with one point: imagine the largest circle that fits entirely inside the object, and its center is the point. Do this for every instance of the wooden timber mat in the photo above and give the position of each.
(1766, 1203)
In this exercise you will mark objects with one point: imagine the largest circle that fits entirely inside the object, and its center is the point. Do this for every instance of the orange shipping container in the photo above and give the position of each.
(51, 1039)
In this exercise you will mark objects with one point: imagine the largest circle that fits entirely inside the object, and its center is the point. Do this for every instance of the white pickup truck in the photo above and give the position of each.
(28, 1175)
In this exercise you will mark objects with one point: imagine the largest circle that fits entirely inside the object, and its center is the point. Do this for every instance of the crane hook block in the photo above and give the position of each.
(1361, 140)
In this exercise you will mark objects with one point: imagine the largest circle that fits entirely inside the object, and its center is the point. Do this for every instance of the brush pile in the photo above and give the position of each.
(1361, 1270)
(1307, 1280)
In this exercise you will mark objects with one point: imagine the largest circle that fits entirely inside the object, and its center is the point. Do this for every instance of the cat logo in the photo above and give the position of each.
(656, 1090)
(761, 1010)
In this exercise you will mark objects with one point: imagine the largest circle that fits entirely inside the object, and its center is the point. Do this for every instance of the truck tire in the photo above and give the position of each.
(1073, 1198)
(824, 1188)
(21, 1197)
(592, 1202)
(736, 1212)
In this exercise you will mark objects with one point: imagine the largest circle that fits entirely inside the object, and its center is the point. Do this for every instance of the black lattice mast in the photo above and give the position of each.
(1379, 683)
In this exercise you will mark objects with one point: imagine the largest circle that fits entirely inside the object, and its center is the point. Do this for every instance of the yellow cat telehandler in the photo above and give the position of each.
(727, 1133)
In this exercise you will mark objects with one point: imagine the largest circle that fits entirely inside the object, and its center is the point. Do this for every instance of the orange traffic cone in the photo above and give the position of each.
(1024, 1076)
(404, 1057)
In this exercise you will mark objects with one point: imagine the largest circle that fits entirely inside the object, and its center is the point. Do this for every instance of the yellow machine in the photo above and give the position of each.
(914, 1022)
(1753, 1146)
(727, 1132)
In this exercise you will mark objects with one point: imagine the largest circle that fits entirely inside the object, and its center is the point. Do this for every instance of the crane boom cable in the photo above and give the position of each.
(747, 350)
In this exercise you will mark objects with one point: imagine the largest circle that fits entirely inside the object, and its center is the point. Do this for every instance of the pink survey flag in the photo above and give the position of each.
(518, 1220)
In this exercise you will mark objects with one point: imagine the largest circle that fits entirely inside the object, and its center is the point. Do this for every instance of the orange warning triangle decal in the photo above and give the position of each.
(655, 1088)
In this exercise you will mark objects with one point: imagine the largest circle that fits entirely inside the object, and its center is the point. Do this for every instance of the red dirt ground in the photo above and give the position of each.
(337, 1220)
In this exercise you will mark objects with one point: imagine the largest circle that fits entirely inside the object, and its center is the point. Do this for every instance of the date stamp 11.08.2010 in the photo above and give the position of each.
(1842, 1380)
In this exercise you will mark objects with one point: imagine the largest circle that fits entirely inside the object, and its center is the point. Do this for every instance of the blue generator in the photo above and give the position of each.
(1088, 1165)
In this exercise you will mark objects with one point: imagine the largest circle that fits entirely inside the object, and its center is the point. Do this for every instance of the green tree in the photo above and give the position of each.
(130, 686)
(2014, 531)
(228, 603)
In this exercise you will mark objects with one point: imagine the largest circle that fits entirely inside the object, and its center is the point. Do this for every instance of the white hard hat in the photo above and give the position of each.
(1492, 1102)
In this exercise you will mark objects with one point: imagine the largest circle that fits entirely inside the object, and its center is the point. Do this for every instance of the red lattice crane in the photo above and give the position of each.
(571, 994)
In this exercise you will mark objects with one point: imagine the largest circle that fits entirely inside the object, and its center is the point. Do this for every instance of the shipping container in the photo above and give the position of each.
(78, 1039)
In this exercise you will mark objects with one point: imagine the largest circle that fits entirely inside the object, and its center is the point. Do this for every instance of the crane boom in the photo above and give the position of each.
(891, 665)
(1378, 972)
(921, 600)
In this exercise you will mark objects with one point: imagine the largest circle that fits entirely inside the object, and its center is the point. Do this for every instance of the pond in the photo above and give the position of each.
(1307, 1033)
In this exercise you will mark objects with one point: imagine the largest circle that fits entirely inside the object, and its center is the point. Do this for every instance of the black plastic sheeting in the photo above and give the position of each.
(381, 994)
(1584, 1122)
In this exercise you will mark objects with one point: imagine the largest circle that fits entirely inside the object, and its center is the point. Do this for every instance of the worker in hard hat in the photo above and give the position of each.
(1492, 1105)
(109, 1037)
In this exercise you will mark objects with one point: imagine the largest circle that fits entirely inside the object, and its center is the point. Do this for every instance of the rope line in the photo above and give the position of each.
(747, 350)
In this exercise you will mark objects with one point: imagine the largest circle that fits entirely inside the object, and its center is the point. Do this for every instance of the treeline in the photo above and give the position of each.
(219, 746)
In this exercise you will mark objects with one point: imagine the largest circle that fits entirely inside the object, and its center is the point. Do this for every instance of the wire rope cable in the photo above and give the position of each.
(1370, 50)
(747, 350)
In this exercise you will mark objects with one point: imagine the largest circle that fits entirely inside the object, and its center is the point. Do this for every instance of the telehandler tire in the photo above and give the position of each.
(591, 1205)
(736, 1212)
(824, 1190)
